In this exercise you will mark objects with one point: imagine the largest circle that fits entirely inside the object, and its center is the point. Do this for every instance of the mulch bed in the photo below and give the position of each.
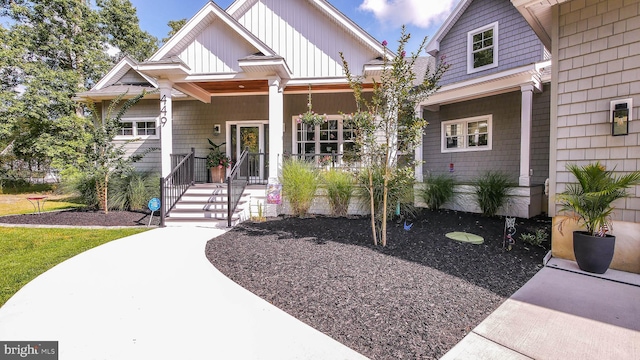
(83, 218)
(414, 299)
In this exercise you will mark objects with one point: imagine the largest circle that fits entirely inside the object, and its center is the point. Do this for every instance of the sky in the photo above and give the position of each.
(380, 18)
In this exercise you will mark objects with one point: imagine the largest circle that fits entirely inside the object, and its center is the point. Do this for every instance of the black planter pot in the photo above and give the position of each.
(593, 253)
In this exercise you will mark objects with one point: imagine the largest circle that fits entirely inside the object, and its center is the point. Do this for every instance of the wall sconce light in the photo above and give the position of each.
(216, 129)
(620, 116)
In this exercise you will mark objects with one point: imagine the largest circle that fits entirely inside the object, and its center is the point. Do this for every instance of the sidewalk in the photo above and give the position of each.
(561, 313)
(155, 296)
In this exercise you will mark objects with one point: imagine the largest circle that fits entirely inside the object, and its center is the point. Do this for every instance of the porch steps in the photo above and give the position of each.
(205, 205)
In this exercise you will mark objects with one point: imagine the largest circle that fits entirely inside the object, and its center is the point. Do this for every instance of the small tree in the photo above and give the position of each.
(388, 123)
(104, 157)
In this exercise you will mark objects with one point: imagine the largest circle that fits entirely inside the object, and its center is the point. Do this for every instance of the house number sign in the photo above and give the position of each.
(163, 109)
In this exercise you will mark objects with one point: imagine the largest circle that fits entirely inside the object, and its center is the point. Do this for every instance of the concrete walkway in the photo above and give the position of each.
(155, 296)
(561, 313)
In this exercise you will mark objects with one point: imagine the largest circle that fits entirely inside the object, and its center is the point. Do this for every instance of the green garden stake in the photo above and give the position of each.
(398, 209)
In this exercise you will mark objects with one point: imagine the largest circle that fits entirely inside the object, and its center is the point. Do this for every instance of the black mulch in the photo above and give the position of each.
(414, 299)
(84, 218)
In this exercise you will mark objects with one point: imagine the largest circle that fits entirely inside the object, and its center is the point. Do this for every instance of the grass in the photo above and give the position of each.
(16, 204)
(29, 252)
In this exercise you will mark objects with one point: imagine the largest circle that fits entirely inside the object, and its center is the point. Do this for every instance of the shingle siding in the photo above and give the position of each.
(518, 45)
(505, 153)
(599, 61)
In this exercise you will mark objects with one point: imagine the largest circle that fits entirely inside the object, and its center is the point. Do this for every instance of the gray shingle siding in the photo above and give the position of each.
(505, 153)
(518, 45)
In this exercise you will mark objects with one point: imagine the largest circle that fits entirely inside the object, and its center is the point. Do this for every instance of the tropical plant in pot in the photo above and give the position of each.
(217, 162)
(589, 203)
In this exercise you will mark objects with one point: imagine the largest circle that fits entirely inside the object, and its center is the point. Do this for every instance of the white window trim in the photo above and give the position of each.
(465, 121)
(294, 135)
(470, 68)
(135, 135)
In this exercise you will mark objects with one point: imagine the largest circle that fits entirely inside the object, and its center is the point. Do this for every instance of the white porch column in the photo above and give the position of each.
(525, 134)
(418, 151)
(166, 125)
(276, 128)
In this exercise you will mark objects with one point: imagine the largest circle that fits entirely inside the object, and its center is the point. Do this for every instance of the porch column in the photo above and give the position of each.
(418, 151)
(276, 128)
(166, 125)
(525, 134)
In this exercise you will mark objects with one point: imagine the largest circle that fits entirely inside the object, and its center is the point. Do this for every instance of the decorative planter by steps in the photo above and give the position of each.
(218, 174)
(593, 253)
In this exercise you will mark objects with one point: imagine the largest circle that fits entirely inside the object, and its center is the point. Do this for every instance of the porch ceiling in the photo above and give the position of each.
(252, 87)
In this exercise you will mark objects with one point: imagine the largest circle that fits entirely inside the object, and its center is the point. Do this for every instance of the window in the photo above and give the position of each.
(471, 134)
(141, 128)
(482, 48)
(330, 137)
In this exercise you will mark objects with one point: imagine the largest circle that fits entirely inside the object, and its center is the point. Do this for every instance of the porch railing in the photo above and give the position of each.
(235, 186)
(329, 160)
(174, 185)
(249, 169)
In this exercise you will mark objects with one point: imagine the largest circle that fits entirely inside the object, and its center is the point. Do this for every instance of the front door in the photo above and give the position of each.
(250, 136)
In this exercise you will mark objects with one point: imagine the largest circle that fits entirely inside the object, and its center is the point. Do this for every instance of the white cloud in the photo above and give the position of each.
(420, 13)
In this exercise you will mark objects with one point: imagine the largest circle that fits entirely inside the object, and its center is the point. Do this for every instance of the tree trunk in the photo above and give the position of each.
(373, 208)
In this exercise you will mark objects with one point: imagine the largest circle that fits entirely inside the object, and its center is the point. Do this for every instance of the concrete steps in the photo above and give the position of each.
(206, 205)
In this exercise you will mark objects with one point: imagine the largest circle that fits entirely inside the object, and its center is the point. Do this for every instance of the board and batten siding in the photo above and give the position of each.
(518, 45)
(598, 60)
(305, 37)
(505, 153)
(216, 50)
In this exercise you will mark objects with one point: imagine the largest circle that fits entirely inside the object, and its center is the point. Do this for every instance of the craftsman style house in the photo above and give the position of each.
(241, 76)
(492, 112)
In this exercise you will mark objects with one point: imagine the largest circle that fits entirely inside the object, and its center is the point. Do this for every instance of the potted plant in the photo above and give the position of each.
(217, 162)
(589, 203)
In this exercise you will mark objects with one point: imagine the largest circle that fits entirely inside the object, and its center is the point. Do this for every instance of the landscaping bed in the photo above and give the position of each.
(81, 217)
(414, 299)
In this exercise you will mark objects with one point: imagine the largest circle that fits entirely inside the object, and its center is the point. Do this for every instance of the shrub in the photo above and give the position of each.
(536, 239)
(492, 191)
(299, 181)
(339, 186)
(400, 190)
(133, 190)
(438, 190)
(84, 186)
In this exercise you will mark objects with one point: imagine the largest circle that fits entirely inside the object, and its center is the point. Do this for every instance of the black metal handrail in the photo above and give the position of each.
(236, 185)
(174, 185)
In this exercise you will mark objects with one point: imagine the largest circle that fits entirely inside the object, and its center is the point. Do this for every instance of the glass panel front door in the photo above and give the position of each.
(251, 137)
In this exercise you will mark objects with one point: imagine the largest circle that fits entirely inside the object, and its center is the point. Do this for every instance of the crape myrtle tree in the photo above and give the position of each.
(52, 50)
(387, 123)
(103, 156)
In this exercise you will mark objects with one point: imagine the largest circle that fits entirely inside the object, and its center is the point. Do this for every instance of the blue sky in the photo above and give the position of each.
(380, 18)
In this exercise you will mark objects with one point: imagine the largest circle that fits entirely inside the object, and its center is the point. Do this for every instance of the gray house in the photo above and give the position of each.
(492, 112)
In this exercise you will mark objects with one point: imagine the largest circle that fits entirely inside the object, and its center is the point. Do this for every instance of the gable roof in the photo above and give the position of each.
(239, 6)
(538, 15)
(197, 23)
(116, 73)
(434, 45)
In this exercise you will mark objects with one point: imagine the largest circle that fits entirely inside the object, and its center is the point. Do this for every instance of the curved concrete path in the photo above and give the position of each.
(155, 296)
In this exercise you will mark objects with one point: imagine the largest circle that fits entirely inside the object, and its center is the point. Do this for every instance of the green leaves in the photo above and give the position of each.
(589, 201)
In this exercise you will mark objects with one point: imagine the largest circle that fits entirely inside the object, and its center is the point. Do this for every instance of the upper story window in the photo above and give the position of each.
(482, 48)
(470, 134)
(144, 128)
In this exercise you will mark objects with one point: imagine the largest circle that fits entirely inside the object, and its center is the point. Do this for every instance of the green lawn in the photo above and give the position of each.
(28, 252)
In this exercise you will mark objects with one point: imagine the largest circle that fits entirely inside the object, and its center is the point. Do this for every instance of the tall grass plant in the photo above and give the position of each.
(492, 191)
(340, 185)
(299, 181)
(438, 189)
